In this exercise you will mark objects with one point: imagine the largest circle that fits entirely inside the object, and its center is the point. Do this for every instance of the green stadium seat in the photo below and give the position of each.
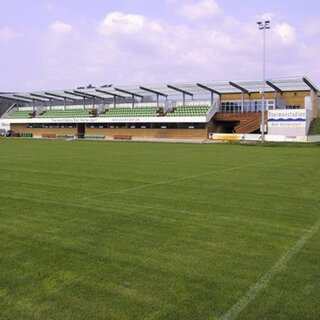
(19, 114)
(131, 112)
(69, 113)
(191, 111)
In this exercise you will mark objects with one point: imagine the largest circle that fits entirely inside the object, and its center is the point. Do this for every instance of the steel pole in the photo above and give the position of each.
(263, 83)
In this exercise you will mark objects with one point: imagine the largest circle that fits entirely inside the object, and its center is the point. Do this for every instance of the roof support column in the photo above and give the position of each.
(184, 93)
(242, 102)
(276, 91)
(242, 90)
(133, 94)
(115, 101)
(212, 92)
(65, 104)
(157, 93)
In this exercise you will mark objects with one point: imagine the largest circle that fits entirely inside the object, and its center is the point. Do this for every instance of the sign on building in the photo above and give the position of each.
(289, 122)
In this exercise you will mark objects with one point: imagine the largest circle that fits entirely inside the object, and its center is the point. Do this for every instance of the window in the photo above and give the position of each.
(248, 105)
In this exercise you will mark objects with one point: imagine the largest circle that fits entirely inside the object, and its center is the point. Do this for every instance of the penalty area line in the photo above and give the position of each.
(164, 182)
(280, 265)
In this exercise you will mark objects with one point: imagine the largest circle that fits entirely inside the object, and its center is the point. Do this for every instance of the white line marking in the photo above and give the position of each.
(280, 265)
(172, 180)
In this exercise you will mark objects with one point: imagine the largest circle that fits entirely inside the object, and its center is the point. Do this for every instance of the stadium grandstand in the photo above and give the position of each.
(164, 111)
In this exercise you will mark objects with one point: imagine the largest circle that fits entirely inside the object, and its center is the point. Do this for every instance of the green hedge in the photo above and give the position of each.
(314, 127)
(66, 135)
(94, 136)
(26, 135)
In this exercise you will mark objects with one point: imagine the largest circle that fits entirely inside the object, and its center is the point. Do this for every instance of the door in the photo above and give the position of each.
(81, 130)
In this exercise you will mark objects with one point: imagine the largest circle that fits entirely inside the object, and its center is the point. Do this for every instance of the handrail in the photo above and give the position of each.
(213, 110)
(8, 111)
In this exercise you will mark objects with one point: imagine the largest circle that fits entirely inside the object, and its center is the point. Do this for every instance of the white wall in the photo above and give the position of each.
(5, 126)
(194, 103)
(257, 137)
(136, 105)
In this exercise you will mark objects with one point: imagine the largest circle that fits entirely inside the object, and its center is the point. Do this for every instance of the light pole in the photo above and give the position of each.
(263, 25)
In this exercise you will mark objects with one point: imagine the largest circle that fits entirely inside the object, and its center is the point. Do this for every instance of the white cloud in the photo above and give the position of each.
(130, 48)
(121, 23)
(201, 10)
(130, 24)
(149, 50)
(285, 32)
(266, 16)
(8, 34)
(127, 48)
(60, 27)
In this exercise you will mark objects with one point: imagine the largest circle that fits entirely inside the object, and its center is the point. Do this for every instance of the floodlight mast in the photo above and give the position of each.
(263, 25)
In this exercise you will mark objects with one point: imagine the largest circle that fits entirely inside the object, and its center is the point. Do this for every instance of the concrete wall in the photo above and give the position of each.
(21, 128)
(111, 133)
(152, 133)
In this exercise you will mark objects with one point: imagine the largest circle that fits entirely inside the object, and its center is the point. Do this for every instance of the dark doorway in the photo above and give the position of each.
(224, 126)
(81, 130)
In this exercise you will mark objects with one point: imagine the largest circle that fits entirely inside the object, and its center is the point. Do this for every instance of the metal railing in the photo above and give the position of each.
(9, 110)
(213, 110)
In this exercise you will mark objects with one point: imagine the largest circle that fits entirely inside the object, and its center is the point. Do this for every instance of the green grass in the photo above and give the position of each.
(103, 230)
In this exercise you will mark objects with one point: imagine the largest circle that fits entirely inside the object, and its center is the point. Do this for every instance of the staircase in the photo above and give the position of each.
(248, 126)
(247, 122)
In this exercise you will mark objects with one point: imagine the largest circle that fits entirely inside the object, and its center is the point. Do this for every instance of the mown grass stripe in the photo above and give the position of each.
(263, 282)
(183, 245)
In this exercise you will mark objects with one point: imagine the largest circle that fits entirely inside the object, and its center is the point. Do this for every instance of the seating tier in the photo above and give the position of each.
(131, 112)
(71, 113)
(20, 114)
(189, 111)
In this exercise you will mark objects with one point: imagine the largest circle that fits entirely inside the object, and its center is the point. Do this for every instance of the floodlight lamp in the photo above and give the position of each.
(261, 25)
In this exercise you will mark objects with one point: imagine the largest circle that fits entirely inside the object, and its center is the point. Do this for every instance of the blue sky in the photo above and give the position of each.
(57, 44)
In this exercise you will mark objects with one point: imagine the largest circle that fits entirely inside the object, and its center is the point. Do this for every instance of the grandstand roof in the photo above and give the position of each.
(168, 89)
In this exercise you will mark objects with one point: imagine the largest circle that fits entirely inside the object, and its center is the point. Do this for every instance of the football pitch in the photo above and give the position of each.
(123, 230)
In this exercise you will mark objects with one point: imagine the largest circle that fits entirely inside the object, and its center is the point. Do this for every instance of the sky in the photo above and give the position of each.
(59, 44)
